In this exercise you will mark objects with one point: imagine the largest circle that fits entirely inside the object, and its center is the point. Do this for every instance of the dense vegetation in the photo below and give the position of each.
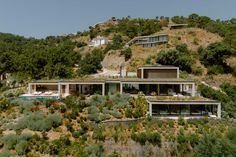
(113, 125)
(62, 128)
(180, 56)
(226, 97)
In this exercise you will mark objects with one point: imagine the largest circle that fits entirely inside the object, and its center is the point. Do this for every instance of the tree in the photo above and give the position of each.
(140, 106)
(127, 53)
(180, 57)
(212, 146)
(216, 54)
(91, 62)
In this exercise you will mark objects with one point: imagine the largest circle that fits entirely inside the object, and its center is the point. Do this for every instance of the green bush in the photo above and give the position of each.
(48, 102)
(210, 145)
(151, 137)
(215, 69)
(213, 57)
(94, 117)
(74, 103)
(4, 104)
(139, 105)
(76, 134)
(5, 153)
(127, 53)
(180, 57)
(94, 150)
(93, 110)
(91, 62)
(231, 135)
(9, 140)
(22, 147)
(39, 121)
(116, 114)
(98, 133)
(230, 89)
(198, 71)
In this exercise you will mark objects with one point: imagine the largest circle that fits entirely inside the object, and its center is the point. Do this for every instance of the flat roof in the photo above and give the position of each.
(180, 24)
(115, 80)
(181, 100)
(158, 67)
(147, 36)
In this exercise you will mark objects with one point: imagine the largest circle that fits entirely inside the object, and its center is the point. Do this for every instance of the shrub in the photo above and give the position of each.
(231, 135)
(116, 114)
(98, 133)
(91, 62)
(127, 53)
(9, 140)
(22, 147)
(93, 110)
(54, 147)
(180, 57)
(140, 106)
(48, 102)
(215, 54)
(4, 104)
(181, 121)
(114, 154)
(54, 119)
(210, 145)
(151, 137)
(129, 112)
(215, 69)
(5, 153)
(94, 117)
(76, 134)
(198, 71)
(74, 103)
(39, 121)
(94, 150)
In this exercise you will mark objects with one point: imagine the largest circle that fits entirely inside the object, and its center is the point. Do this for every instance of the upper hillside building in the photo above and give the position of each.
(98, 41)
(149, 41)
(177, 26)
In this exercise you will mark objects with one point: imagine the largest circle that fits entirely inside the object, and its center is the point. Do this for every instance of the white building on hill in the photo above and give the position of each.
(98, 41)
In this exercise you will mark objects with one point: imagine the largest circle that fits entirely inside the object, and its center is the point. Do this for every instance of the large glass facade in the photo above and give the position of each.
(152, 89)
(186, 110)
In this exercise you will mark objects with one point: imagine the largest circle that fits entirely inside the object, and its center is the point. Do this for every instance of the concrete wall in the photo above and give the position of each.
(160, 73)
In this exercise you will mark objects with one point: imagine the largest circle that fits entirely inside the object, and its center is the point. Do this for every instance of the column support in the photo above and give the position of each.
(178, 73)
(67, 89)
(181, 88)
(158, 89)
(103, 89)
(121, 88)
(30, 88)
(59, 90)
(193, 89)
(219, 110)
(150, 109)
(142, 73)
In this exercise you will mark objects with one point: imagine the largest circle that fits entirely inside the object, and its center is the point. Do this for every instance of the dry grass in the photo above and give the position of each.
(217, 80)
(193, 37)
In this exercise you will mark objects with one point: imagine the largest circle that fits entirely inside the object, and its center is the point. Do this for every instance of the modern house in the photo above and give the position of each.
(149, 41)
(177, 26)
(166, 93)
(98, 41)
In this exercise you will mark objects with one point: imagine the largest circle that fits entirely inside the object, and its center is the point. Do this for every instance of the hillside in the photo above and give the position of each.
(117, 125)
(193, 37)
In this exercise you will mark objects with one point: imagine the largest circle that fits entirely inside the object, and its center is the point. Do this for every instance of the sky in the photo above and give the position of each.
(41, 18)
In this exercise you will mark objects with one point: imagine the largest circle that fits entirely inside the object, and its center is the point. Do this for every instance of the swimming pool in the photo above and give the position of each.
(39, 97)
